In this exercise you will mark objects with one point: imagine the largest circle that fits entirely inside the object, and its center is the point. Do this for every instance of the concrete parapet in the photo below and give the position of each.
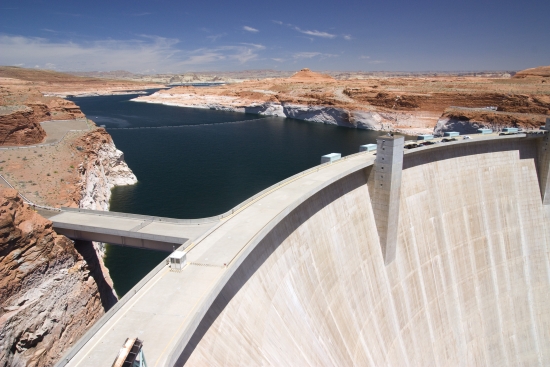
(425, 137)
(387, 192)
(451, 133)
(543, 168)
(330, 157)
(367, 148)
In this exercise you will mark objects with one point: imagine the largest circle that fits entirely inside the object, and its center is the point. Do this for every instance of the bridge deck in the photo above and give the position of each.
(135, 231)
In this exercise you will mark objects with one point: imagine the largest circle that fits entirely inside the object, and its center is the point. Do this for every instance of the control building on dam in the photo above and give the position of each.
(434, 256)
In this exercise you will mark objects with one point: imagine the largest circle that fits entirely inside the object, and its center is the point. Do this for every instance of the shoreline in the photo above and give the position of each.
(365, 120)
(72, 94)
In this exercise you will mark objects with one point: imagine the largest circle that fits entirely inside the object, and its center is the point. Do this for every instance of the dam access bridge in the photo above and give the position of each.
(437, 255)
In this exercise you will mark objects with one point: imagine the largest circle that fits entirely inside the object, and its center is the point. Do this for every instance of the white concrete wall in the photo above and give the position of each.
(470, 285)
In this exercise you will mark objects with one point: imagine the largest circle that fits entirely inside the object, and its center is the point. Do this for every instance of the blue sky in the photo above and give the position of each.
(180, 36)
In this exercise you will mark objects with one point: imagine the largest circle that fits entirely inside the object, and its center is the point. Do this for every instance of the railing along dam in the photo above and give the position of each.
(446, 264)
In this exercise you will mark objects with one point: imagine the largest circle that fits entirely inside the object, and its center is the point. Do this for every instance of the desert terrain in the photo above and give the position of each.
(411, 105)
(47, 146)
(52, 83)
(247, 75)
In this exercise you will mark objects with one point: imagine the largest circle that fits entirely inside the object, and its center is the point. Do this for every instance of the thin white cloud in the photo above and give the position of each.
(305, 55)
(254, 45)
(137, 55)
(250, 29)
(278, 59)
(364, 57)
(315, 33)
(140, 14)
(215, 37)
(347, 37)
(310, 55)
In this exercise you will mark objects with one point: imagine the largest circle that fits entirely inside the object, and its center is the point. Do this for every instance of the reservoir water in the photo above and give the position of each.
(203, 166)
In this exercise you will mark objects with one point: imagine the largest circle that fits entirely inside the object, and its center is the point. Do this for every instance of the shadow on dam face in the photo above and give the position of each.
(264, 250)
(470, 284)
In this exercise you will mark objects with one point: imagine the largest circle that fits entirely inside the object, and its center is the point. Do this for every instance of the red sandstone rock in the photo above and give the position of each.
(51, 291)
(23, 108)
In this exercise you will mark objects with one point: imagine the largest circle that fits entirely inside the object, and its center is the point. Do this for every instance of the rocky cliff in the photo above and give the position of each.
(23, 108)
(103, 168)
(51, 290)
(468, 120)
(18, 126)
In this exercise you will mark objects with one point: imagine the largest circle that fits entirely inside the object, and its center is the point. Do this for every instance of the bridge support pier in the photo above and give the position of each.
(388, 168)
(543, 168)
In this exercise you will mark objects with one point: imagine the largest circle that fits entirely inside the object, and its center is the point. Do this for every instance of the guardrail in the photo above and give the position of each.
(40, 145)
(181, 126)
(121, 233)
(27, 200)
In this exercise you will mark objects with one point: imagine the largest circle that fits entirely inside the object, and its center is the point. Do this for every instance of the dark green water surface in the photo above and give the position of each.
(205, 169)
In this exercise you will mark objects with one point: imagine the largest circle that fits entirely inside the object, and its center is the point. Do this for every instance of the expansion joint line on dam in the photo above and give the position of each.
(179, 126)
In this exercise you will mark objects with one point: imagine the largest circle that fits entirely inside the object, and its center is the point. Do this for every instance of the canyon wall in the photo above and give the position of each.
(311, 113)
(470, 284)
(103, 168)
(468, 120)
(51, 291)
(54, 290)
(18, 126)
(23, 108)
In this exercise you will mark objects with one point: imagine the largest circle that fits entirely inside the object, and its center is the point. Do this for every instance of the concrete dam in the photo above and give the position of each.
(446, 265)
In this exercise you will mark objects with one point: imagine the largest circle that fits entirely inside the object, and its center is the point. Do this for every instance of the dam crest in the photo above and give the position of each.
(302, 276)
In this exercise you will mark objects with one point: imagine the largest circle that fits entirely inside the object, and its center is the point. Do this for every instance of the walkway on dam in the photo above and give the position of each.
(153, 233)
(165, 308)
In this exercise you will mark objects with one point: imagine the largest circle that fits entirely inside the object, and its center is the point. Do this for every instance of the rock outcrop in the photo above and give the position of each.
(18, 126)
(538, 72)
(467, 121)
(308, 76)
(51, 290)
(104, 168)
(23, 108)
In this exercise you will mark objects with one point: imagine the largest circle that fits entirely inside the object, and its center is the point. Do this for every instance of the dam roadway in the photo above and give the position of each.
(296, 275)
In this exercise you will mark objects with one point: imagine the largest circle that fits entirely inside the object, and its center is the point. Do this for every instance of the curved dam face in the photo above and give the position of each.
(470, 284)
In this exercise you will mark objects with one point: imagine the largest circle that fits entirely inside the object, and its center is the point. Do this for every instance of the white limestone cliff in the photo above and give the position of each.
(103, 169)
(368, 120)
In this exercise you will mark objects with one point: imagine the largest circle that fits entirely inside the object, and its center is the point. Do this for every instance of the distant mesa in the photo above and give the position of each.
(538, 72)
(306, 75)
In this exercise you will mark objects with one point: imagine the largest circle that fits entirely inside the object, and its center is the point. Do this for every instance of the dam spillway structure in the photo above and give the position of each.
(299, 276)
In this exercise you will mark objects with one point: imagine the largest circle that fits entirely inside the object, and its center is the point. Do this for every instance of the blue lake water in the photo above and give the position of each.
(205, 168)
